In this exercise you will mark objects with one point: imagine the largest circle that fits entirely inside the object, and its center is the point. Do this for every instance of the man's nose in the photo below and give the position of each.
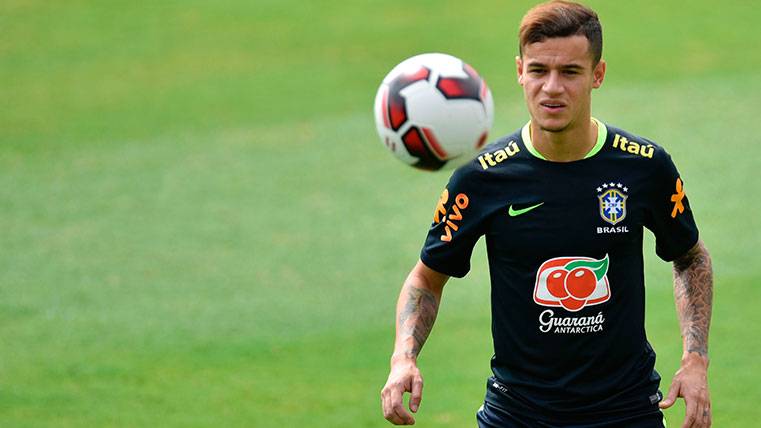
(553, 84)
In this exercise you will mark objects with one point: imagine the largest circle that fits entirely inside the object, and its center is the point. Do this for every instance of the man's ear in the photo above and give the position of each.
(519, 69)
(598, 74)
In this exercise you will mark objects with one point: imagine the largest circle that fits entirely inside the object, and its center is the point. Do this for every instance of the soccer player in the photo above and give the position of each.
(562, 204)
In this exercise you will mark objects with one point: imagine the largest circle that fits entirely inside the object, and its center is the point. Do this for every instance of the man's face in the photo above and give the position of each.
(558, 76)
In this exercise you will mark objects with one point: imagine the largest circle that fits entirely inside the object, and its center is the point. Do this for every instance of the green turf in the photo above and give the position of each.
(198, 226)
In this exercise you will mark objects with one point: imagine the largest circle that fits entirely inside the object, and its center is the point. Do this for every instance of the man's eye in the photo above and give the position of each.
(536, 71)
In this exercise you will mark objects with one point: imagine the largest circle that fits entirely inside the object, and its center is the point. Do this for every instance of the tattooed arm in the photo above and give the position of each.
(416, 311)
(693, 292)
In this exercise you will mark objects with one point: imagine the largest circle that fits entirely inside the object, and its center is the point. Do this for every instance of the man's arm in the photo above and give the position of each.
(416, 312)
(693, 293)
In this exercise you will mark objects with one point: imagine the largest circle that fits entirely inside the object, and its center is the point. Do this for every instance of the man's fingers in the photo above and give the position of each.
(417, 394)
(703, 412)
(700, 419)
(393, 407)
(705, 416)
(388, 412)
(690, 413)
(671, 398)
(403, 415)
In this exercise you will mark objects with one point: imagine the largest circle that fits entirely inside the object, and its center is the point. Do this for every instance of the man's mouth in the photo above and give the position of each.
(552, 106)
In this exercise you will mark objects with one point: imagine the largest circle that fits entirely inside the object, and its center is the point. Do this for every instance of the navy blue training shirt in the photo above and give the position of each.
(564, 245)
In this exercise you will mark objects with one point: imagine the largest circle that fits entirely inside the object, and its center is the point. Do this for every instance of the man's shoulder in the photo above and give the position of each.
(502, 142)
(494, 155)
(627, 144)
(484, 171)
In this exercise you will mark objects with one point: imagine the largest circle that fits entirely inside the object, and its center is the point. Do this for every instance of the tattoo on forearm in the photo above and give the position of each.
(416, 318)
(693, 292)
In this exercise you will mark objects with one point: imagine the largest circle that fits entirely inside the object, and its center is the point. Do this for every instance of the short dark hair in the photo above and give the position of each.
(560, 18)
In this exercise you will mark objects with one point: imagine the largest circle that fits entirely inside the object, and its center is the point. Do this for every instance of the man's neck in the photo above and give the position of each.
(568, 145)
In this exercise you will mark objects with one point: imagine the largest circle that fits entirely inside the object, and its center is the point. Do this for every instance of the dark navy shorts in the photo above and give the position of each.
(491, 416)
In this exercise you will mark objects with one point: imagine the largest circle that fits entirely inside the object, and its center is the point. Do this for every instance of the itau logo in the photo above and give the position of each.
(572, 282)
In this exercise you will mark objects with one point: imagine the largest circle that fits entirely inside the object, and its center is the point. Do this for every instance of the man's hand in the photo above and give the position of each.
(690, 383)
(404, 377)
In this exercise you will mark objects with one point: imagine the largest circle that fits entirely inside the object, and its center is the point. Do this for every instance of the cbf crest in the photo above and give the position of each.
(612, 197)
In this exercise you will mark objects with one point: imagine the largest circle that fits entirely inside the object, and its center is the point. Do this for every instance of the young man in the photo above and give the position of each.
(562, 204)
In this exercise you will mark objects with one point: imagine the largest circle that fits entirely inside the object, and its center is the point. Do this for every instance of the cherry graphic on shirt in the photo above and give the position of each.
(572, 304)
(556, 283)
(580, 282)
(572, 283)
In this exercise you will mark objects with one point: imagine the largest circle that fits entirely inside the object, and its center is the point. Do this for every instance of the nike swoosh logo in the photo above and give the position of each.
(514, 213)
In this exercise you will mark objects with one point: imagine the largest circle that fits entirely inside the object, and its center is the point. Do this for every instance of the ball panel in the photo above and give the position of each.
(384, 107)
(417, 147)
(397, 109)
(461, 87)
(434, 144)
(481, 140)
(457, 123)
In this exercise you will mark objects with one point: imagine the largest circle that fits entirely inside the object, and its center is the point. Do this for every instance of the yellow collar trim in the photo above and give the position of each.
(602, 135)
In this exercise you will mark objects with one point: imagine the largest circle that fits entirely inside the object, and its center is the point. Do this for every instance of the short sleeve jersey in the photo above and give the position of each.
(564, 246)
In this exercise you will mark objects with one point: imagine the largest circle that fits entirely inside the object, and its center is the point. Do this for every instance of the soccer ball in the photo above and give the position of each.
(432, 109)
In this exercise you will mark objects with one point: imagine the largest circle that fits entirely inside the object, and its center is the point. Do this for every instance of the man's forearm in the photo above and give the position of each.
(693, 291)
(416, 310)
(416, 313)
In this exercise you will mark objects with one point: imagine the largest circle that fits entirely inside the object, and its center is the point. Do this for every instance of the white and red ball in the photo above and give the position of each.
(432, 109)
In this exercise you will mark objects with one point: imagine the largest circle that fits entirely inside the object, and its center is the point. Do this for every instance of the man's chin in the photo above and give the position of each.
(551, 126)
(554, 130)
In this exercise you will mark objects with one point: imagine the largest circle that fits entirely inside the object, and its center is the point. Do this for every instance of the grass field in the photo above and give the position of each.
(198, 226)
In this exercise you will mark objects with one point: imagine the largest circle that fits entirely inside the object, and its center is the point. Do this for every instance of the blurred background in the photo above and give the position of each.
(200, 227)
